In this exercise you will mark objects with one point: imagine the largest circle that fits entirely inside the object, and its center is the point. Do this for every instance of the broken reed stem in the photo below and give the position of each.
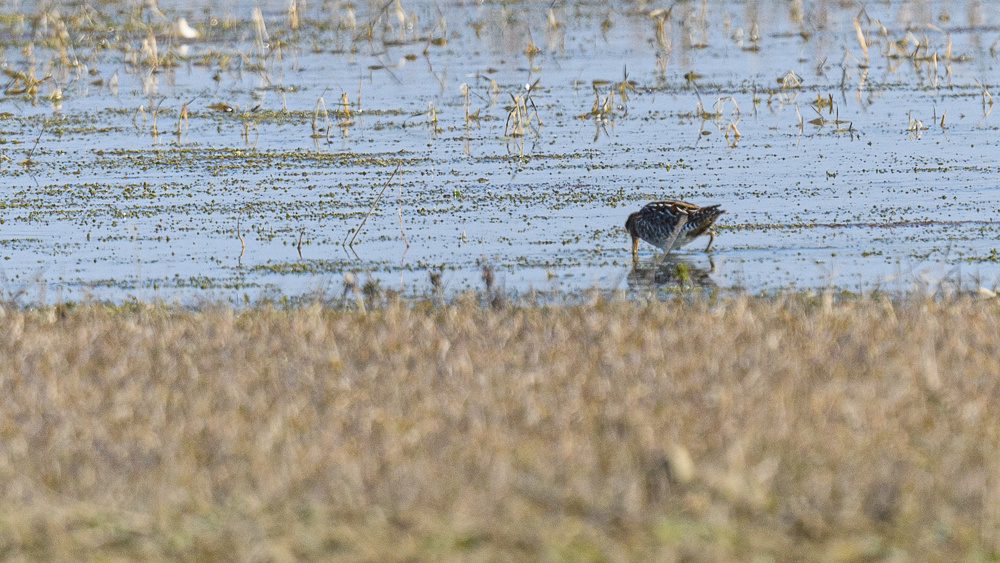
(377, 199)
(861, 40)
(261, 37)
(464, 89)
(153, 130)
(430, 39)
(320, 103)
(298, 247)
(399, 210)
(37, 139)
(141, 111)
(293, 15)
(346, 104)
(182, 120)
(514, 113)
(243, 245)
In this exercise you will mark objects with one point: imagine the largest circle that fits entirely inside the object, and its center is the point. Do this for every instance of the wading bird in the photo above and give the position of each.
(670, 224)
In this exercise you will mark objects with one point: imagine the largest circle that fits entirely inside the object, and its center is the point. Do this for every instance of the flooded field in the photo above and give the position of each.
(236, 151)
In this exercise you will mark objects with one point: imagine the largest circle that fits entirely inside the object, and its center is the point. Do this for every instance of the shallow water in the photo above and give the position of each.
(843, 173)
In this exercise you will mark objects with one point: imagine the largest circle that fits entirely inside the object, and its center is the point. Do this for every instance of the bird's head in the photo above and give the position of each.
(630, 223)
(630, 227)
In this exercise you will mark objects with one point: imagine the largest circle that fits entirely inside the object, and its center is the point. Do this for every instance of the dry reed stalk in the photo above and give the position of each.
(793, 428)
(377, 199)
(320, 107)
(861, 41)
(399, 211)
(243, 245)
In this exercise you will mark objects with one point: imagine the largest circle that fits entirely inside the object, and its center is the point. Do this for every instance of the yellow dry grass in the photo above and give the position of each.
(608, 431)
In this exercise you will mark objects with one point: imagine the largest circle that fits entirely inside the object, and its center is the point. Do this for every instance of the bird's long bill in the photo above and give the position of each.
(635, 246)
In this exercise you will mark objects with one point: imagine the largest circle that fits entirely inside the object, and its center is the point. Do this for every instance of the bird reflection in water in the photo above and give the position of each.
(669, 271)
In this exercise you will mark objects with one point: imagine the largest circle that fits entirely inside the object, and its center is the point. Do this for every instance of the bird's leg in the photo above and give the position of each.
(676, 231)
(711, 235)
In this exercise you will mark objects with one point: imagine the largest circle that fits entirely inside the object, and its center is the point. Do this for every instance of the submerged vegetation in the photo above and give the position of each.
(849, 429)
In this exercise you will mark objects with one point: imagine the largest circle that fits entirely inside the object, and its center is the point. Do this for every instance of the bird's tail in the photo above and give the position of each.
(702, 219)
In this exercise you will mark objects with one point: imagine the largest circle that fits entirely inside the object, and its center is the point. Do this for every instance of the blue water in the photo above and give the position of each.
(885, 197)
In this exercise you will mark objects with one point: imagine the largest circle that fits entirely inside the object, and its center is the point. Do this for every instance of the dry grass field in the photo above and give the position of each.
(612, 431)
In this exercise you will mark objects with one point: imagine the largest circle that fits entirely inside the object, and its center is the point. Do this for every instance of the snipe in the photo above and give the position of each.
(670, 224)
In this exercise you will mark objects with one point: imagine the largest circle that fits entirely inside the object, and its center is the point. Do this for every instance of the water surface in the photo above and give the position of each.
(134, 159)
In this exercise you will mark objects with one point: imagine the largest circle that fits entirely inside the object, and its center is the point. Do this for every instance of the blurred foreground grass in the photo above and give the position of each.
(780, 427)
